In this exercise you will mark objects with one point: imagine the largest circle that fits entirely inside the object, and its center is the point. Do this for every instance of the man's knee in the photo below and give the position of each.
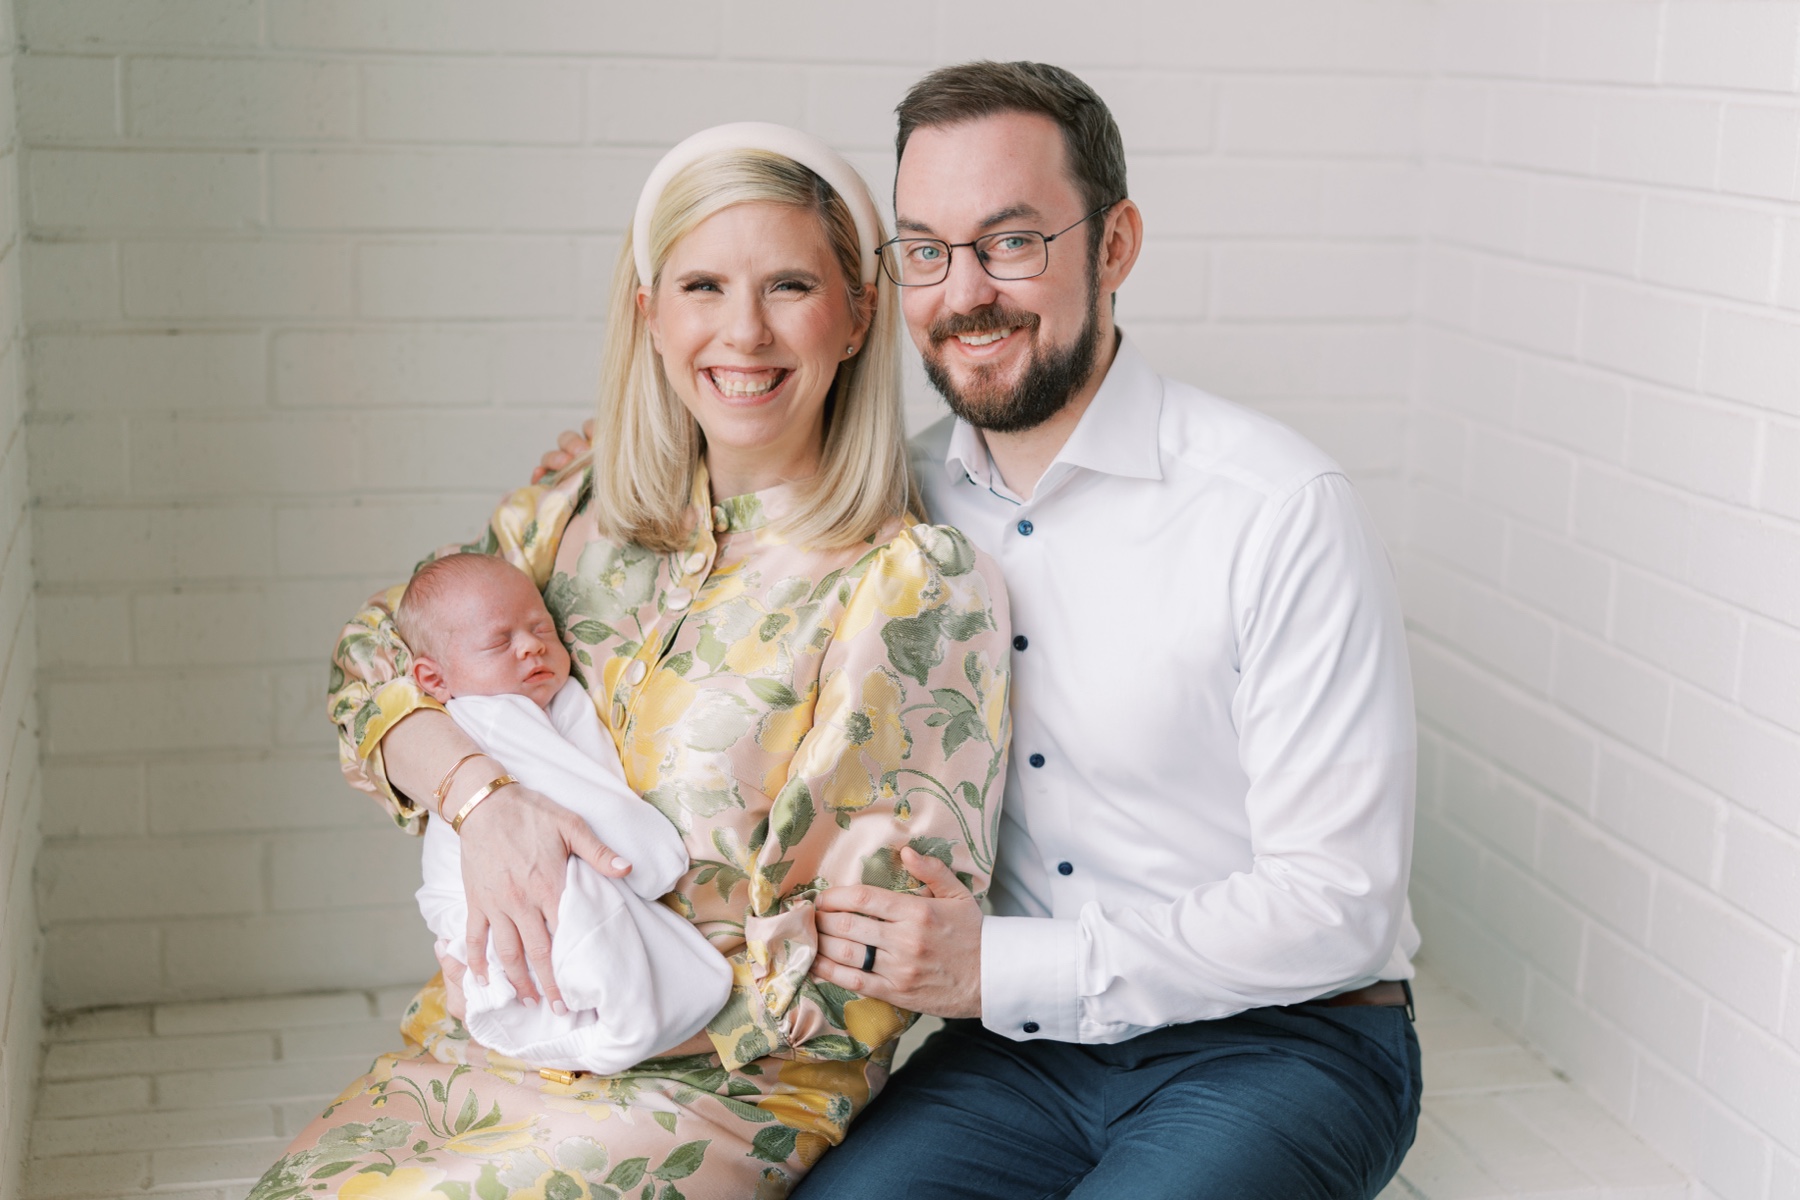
(1292, 1117)
(966, 1117)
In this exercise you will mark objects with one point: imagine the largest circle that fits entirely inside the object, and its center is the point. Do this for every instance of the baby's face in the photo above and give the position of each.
(498, 640)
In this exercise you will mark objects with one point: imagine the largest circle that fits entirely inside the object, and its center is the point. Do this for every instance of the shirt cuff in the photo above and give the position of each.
(1028, 978)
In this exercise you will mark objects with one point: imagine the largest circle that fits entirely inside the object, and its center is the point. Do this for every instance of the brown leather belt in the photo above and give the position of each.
(1389, 993)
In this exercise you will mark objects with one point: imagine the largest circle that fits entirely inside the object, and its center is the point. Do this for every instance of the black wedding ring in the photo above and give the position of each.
(868, 959)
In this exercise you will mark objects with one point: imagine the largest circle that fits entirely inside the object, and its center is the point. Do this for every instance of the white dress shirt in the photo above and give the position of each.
(1209, 806)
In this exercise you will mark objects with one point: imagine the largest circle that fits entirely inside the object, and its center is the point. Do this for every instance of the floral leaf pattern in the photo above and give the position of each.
(800, 715)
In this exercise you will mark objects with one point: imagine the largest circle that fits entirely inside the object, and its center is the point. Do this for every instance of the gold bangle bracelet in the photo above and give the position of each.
(443, 788)
(493, 786)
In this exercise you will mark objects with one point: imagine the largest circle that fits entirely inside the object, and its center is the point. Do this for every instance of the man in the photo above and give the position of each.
(1209, 809)
(1188, 985)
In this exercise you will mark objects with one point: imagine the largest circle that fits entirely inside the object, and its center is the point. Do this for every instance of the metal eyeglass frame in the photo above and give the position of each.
(950, 249)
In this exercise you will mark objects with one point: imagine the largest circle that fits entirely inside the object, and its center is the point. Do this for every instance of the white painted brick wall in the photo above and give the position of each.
(1604, 461)
(308, 281)
(21, 954)
(311, 281)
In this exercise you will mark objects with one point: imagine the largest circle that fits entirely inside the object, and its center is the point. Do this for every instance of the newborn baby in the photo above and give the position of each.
(636, 977)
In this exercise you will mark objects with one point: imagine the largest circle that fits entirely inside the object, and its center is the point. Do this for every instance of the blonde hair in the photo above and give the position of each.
(646, 443)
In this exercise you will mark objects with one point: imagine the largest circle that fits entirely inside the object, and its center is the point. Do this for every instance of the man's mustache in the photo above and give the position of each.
(986, 319)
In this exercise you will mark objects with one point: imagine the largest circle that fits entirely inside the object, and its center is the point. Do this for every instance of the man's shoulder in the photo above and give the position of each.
(1209, 436)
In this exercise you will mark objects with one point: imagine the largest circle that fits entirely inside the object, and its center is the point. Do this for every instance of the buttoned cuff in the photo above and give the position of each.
(1028, 978)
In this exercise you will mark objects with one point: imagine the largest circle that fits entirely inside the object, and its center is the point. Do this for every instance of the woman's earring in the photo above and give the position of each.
(850, 349)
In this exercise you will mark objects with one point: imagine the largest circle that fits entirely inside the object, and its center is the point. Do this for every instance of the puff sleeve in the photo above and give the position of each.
(907, 747)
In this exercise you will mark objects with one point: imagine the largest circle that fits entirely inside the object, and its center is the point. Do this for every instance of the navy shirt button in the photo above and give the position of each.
(1036, 760)
(1030, 1027)
(1025, 528)
(1019, 643)
(1065, 868)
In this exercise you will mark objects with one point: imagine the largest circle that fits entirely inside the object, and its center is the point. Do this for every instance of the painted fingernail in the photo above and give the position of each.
(620, 863)
(530, 1001)
(559, 1008)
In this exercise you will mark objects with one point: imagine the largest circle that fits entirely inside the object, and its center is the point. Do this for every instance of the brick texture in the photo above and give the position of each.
(314, 280)
(21, 956)
(306, 282)
(1612, 372)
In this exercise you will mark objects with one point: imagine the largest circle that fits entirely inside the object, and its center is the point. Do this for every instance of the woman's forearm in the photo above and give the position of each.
(422, 748)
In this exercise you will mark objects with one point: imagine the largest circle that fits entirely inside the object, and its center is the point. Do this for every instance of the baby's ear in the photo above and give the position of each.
(429, 675)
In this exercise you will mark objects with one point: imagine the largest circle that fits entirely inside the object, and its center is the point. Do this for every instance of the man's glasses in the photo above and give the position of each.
(1011, 255)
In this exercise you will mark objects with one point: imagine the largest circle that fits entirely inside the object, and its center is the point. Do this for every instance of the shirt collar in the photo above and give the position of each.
(1119, 434)
(741, 514)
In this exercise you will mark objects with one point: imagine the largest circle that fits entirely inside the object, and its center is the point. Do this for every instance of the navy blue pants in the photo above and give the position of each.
(1301, 1103)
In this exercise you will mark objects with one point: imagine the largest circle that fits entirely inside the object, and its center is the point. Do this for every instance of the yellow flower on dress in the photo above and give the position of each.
(520, 523)
(495, 1139)
(655, 729)
(898, 583)
(818, 1098)
(510, 1069)
(426, 1012)
(781, 734)
(992, 690)
(809, 1148)
(379, 1073)
(876, 737)
(588, 1101)
(403, 1183)
(724, 585)
(872, 1022)
(754, 654)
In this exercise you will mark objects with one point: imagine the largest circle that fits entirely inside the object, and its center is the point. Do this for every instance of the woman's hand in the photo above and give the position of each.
(515, 851)
(516, 847)
(569, 446)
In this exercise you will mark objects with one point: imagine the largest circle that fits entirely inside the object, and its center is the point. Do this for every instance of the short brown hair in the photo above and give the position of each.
(972, 90)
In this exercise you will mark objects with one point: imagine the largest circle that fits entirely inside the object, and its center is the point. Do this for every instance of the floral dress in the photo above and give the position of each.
(800, 715)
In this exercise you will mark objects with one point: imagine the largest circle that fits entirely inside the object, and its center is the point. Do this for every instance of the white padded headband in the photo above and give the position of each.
(803, 148)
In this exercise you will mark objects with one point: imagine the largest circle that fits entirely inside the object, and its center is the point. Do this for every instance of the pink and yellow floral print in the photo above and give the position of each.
(800, 715)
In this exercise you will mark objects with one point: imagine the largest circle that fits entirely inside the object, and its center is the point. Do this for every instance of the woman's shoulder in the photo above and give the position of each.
(527, 525)
(914, 566)
(944, 550)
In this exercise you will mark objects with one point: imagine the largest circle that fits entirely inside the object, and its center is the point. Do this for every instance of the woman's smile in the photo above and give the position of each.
(746, 385)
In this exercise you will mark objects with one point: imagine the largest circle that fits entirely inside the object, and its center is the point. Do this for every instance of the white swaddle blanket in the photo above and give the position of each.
(636, 977)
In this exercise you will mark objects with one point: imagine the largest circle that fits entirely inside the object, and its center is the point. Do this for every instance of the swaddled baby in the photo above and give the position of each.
(635, 977)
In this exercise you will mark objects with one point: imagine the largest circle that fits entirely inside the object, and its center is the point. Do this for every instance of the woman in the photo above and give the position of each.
(799, 678)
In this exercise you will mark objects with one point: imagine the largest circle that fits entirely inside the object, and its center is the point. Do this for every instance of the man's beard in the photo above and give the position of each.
(1051, 379)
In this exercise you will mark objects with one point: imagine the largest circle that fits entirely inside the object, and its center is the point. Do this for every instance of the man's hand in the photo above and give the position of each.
(515, 853)
(569, 446)
(927, 948)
